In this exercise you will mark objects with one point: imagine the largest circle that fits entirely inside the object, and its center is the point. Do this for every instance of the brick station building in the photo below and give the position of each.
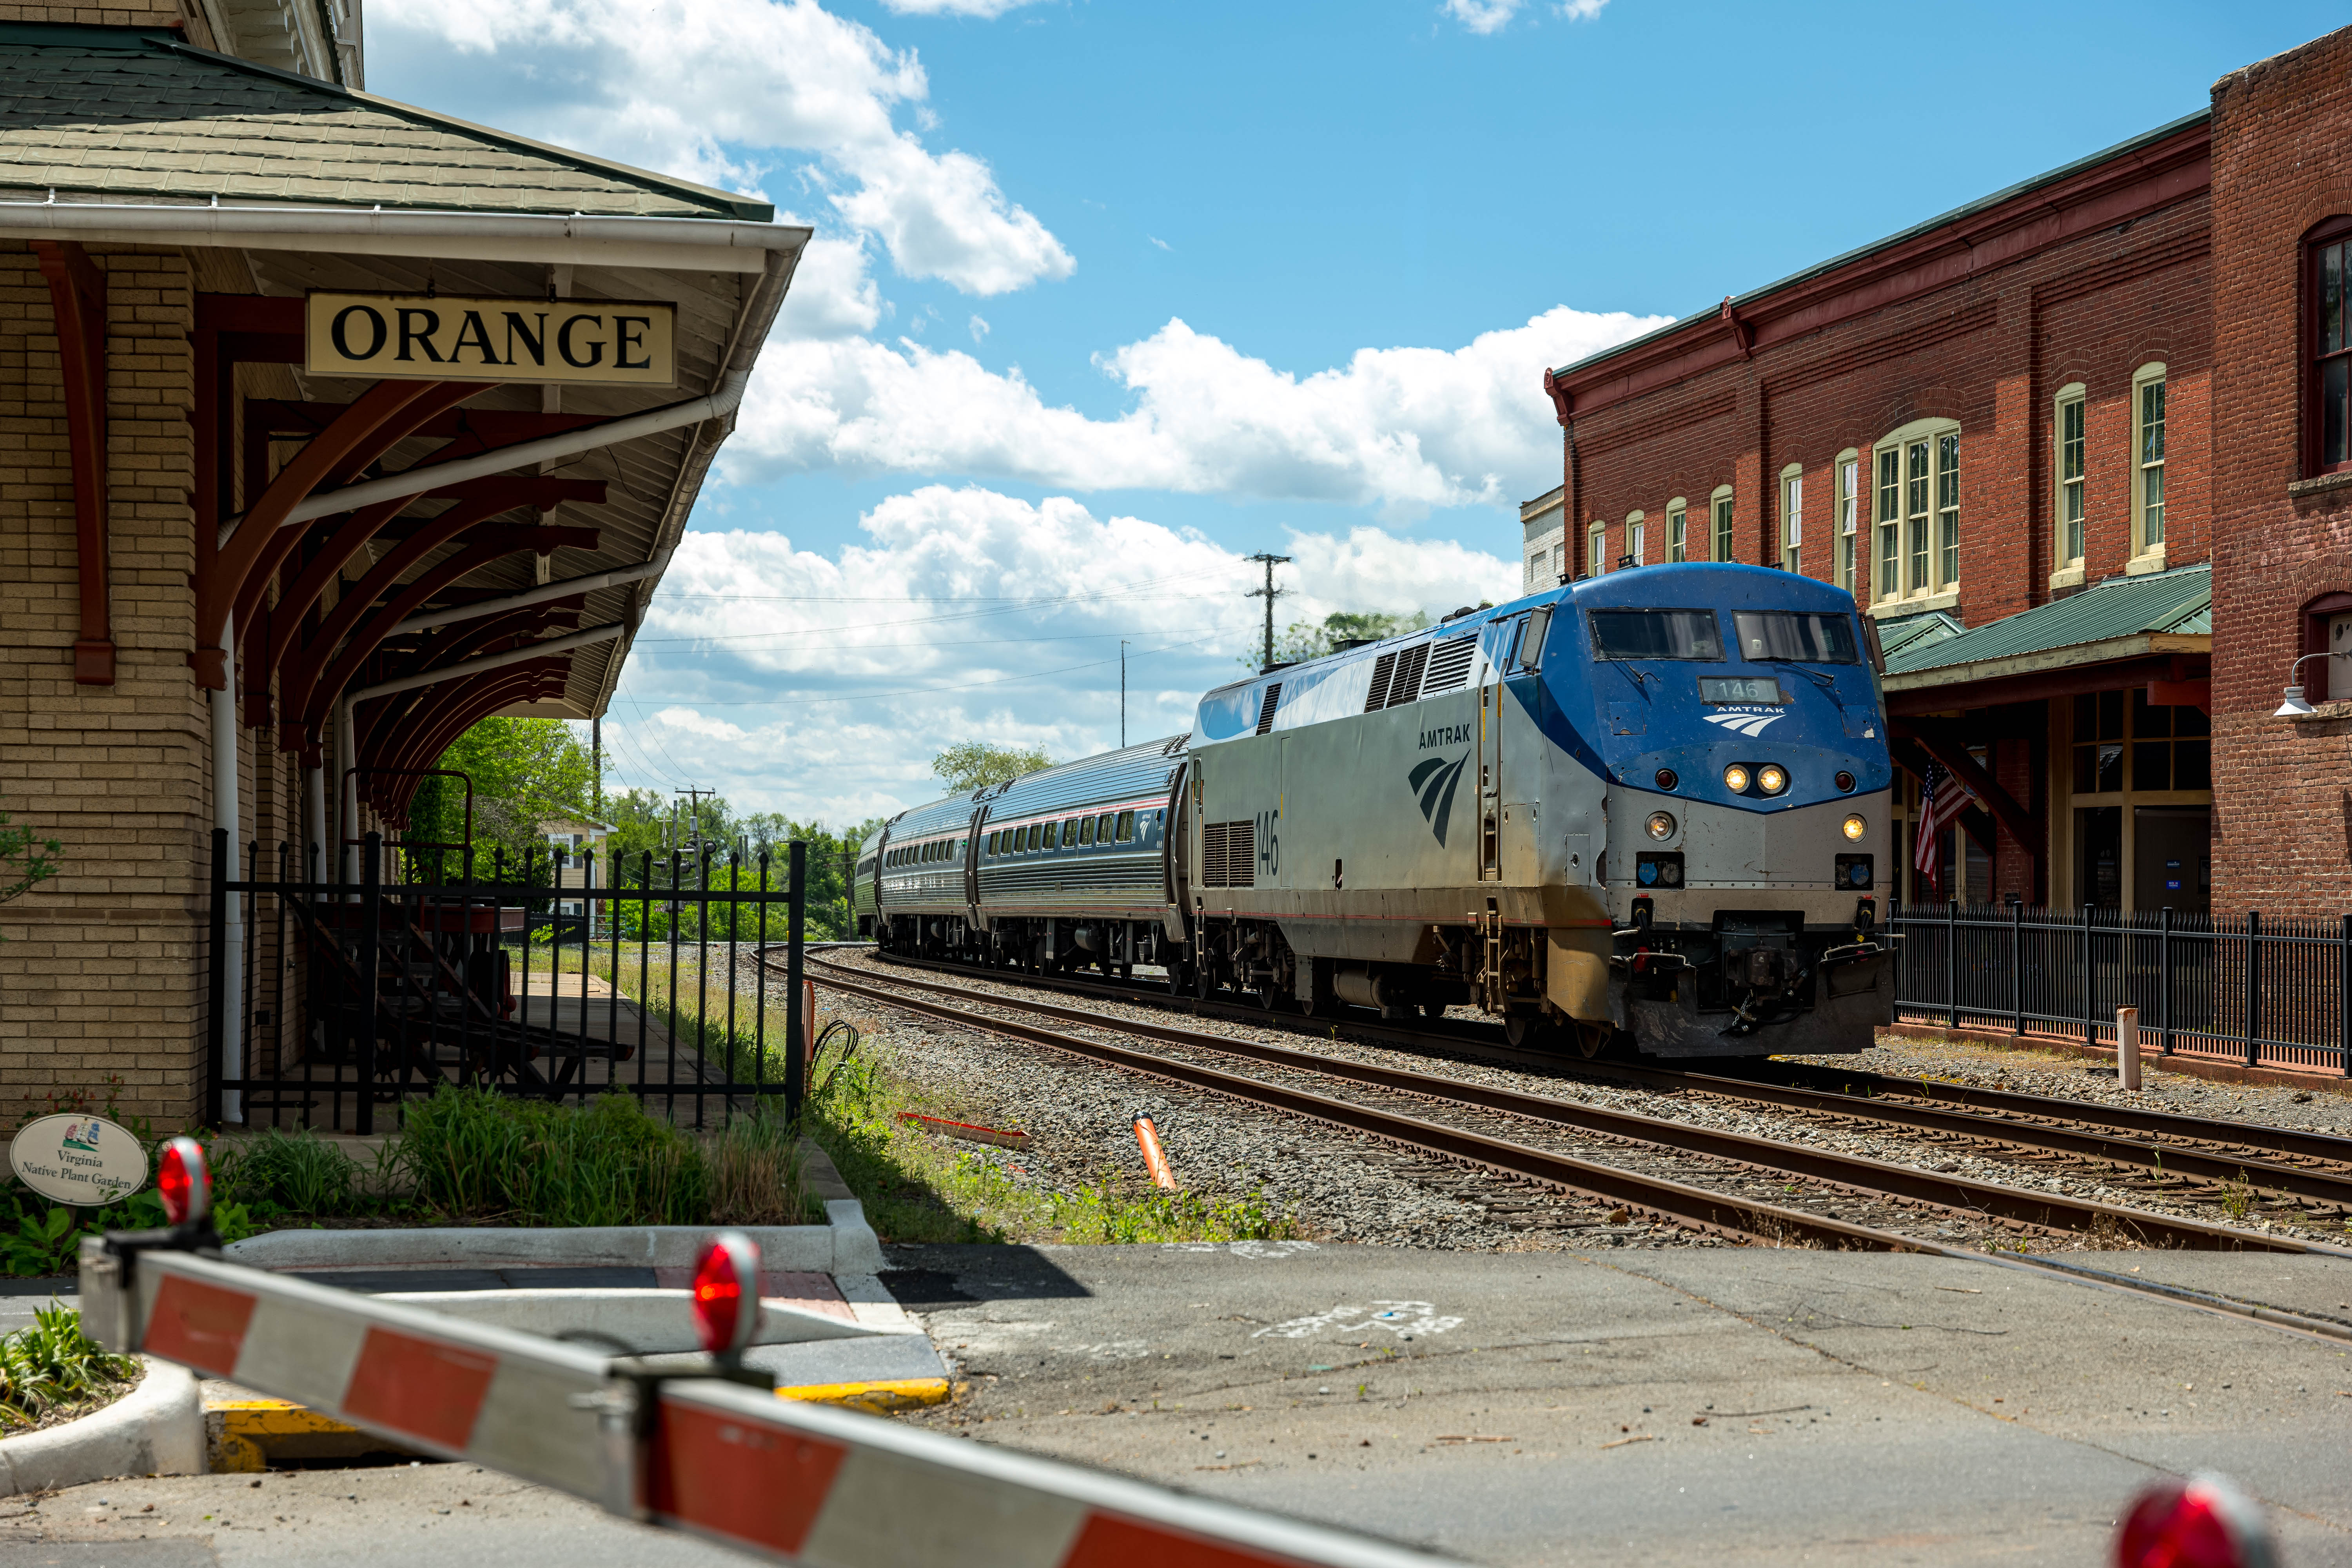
(328, 427)
(2083, 452)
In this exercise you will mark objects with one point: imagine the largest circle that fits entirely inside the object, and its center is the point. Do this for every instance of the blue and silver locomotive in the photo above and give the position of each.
(1651, 807)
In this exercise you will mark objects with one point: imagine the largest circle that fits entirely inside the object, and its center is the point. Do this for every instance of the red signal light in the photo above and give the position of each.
(2201, 1523)
(183, 1181)
(727, 1292)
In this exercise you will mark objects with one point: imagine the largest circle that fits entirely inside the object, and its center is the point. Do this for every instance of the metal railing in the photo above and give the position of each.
(357, 994)
(2265, 992)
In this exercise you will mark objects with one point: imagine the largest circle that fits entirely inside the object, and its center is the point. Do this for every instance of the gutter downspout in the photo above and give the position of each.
(539, 595)
(488, 661)
(409, 483)
(314, 800)
(224, 817)
(347, 814)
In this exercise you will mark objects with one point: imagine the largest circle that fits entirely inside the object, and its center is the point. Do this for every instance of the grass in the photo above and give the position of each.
(51, 1366)
(917, 1187)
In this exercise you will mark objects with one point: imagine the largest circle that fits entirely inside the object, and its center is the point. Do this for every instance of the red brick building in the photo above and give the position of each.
(2083, 452)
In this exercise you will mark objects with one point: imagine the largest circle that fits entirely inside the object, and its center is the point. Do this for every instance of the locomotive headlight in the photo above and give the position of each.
(1771, 780)
(1661, 826)
(1855, 828)
(1735, 779)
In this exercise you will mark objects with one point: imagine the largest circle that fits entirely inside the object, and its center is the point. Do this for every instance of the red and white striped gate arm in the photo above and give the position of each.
(795, 1481)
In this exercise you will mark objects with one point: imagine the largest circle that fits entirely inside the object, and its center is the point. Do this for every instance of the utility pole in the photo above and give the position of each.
(694, 816)
(1269, 594)
(1122, 691)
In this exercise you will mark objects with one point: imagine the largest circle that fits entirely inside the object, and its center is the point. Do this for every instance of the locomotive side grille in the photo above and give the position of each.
(1265, 709)
(1449, 665)
(1383, 667)
(1229, 854)
(1406, 687)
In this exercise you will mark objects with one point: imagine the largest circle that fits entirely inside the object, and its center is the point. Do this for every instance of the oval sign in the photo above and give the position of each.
(85, 1160)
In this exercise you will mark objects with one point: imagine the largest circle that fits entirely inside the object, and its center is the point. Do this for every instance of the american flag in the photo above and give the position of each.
(1942, 798)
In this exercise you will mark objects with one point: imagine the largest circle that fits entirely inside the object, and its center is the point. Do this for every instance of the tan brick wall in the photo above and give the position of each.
(101, 973)
(153, 14)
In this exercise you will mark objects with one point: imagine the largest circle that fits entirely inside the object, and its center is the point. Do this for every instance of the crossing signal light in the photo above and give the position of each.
(727, 1292)
(2201, 1523)
(183, 1181)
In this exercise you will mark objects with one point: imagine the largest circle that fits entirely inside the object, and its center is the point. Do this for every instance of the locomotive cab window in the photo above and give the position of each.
(1529, 656)
(1807, 639)
(1126, 825)
(1656, 634)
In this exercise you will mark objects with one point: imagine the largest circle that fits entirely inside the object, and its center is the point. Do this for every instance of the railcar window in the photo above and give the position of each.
(1126, 825)
(1035, 830)
(1656, 634)
(1103, 826)
(1807, 639)
(1085, 830)
(1069, 832)
(1531, 641)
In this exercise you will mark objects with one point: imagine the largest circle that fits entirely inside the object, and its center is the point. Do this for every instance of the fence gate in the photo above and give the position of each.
(547, 980)
(2266, 992)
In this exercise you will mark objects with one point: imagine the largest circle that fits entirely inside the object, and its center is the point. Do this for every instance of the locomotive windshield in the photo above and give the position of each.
(1656, 634)
(1807, 639)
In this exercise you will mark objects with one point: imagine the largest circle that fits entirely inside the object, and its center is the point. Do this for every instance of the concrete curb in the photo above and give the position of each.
(625, 1321)
(156, 1429)
(844, 1244)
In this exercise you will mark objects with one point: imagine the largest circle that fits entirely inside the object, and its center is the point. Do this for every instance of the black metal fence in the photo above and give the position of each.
(356, 995)
(2274, 991)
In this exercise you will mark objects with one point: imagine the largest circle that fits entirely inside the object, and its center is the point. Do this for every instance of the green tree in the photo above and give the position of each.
(524, 771)
(971, 764)
(1303, 640)
(24, 861)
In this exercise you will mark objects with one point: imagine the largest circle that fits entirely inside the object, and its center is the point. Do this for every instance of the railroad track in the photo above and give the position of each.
(1662, 1197)
(2314, 1167)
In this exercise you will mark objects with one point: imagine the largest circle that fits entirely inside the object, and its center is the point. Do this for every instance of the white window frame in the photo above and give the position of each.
(1792, 518)
(1928, 520)
(1722, 524)
(1596, 548)
(2148, 519)
(1636, 531)
(1678, 530)
(1849, 510)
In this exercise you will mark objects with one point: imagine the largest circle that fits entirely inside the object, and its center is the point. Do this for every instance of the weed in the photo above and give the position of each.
(2238, 1197)
(300, 1172)
(51, 1362)
(476, 1152)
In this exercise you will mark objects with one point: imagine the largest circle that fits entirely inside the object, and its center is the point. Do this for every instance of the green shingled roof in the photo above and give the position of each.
(2179, 602)
(134, 115)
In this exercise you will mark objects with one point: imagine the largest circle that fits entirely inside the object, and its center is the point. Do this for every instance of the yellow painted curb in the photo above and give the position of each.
(895, 1393)
(245, 1435)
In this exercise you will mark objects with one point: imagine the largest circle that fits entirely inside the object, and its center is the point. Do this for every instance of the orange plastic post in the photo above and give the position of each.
(1147, 1138)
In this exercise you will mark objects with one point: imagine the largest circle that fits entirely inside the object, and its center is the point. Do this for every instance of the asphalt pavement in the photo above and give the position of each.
(1672, 1406)
(1660, 1407)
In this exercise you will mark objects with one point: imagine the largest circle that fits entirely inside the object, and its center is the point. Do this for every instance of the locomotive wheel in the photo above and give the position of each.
(1524, 1029)
(1593, 1039)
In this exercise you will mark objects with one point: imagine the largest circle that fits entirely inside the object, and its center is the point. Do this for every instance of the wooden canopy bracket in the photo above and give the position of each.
(77, 300)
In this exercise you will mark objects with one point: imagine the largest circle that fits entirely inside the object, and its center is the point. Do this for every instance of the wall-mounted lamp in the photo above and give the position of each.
(2294, 706)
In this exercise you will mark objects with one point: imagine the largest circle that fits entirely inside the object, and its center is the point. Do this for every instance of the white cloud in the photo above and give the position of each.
(966, 614)
(832, 295)
(979, 327)
(1159, 242)
(1407, 429)
(1482, 16)
(1582, 10)
(708, 88)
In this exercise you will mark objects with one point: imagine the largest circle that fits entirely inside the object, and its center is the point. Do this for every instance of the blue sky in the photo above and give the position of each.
(1105, 296)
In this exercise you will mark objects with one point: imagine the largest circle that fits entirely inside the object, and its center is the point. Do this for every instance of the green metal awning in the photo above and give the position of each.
(2121, 618)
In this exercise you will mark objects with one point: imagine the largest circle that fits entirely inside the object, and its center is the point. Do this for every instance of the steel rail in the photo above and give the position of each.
(1813, 1094)
(1961, 1194)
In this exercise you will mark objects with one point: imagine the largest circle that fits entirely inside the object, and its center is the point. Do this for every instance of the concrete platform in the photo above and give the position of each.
(1672, 1406)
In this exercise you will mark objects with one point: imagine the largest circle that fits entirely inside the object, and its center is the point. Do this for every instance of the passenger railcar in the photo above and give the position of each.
(1652, 808)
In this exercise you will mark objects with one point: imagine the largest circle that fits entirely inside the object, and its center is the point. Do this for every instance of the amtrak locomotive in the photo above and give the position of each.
(1648, 809)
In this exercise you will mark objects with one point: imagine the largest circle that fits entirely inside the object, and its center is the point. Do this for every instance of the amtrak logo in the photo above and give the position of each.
(1434, 780)
(1748, 724)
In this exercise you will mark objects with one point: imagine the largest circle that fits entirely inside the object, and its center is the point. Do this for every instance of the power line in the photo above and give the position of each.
(922, 690)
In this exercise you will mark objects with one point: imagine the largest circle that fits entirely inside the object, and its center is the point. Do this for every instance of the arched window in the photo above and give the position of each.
(2148, 465)
(2327, 629)
(2327, 334)
(1918, 512)
(1678, 530)
(1792, 517)
(1635, 527)
(1719, 509)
